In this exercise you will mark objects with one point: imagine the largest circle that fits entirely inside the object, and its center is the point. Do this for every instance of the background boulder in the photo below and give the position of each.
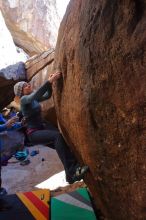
(8, 77)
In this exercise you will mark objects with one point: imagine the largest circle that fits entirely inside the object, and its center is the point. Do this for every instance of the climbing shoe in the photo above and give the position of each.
(21, 155)
(78, 175)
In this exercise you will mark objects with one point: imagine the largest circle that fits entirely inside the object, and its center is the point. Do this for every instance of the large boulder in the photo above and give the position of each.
(101, 100)
(33, 24)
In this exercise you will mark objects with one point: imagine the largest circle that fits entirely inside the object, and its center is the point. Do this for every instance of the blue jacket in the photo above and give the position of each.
(3, 127)
(2, 119)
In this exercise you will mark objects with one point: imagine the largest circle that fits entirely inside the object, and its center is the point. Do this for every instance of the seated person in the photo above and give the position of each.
(12, 140)
(10, 124)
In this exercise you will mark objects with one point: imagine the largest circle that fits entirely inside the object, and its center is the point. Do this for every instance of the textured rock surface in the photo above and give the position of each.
(6, 91)
(8, 77)
(101, 99)
(38, 69)
(37, 63)
(33, 24)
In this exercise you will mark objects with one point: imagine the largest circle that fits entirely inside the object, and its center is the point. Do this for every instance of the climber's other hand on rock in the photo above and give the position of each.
(54, 77)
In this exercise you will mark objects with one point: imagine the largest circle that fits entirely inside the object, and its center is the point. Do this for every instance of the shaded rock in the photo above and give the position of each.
(8, 77)
(101, 100)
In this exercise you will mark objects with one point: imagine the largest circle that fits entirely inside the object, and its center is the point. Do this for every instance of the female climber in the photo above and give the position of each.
(40, 133)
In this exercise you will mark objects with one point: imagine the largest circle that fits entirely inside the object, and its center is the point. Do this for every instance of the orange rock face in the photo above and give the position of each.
(101, 100)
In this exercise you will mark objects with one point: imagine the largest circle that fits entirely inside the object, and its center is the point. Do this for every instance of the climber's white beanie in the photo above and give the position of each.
(18, 88)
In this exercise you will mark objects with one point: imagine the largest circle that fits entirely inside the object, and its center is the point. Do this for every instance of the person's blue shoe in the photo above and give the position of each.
(34, 153)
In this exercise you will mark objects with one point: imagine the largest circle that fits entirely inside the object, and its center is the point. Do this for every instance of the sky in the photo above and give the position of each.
(8, 52)
(61, 5)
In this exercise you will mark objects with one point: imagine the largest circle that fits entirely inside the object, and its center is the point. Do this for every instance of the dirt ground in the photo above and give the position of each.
(18, 178)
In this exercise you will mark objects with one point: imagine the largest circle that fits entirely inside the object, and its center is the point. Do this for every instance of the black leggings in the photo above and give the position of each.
(52, 134)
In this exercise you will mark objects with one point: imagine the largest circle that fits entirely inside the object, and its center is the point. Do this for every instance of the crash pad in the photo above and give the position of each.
(27, 206)
(75, 205)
